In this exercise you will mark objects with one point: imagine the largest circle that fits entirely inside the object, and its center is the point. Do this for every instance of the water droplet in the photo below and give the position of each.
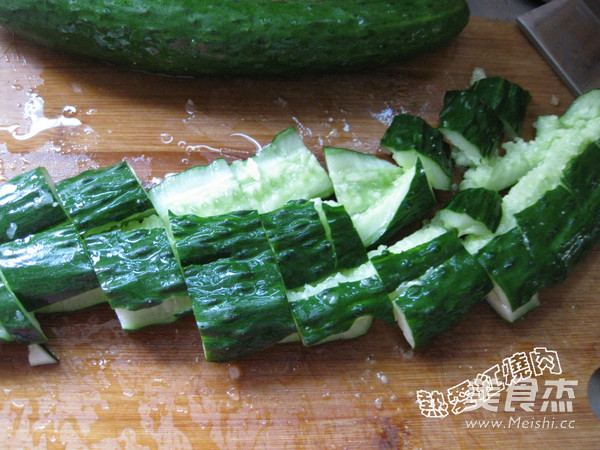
(69, 111)
(190, 107)
(166, 138)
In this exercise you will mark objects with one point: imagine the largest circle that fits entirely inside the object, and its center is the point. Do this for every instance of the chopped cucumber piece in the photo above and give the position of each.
(341, 306)
(47, 267)
(101, 199)
(137, 269)
(201, 190)
(410, 137)
(40, 355)
(472, 211)
(299, 241)
(440, 298)
(508, 100)
(170, 310)
(78, 302)
(282, 171)
(472, 127)
(380, 197)
(5, 335)
(345, 240)
(17, 323)
(29, 204)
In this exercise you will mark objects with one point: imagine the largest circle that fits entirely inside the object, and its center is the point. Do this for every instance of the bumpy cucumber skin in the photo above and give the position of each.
(47, 267)
(17, 322)
(481, 204)
(136, 269)
(300, 243)
(28, 204)
(104, 197)
(232, 37)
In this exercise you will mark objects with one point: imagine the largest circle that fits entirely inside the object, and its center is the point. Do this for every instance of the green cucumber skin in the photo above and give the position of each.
(28, 204)
(348, 247)
(441, 298)
(408, 132)
(397, 268)
(419, 201)
(300, 243)
(101, 198)
(136, 269)
(233, 37)
(201, 240)
(508, 100)
(239, 305)
(15, 320)
(483, 205)
(335, 309)
(47, 267)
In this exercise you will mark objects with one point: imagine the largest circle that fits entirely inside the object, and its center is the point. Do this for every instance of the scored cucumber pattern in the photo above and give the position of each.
(276, 248)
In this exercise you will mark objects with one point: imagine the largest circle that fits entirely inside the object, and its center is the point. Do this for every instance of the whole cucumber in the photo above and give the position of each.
(239, 37)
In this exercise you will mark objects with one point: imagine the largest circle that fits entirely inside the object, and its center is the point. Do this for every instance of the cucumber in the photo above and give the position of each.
(282, 171)
(561, 138)
(40, 355)
(341, 306)
(473, 128)
(16, 322)
(101, 199)
(232, 37)
(475, 211)
(380, 197)
(410, 137)
(47, 267)
(201, 190)
(168, 311)
(299, 240)
(29, 204)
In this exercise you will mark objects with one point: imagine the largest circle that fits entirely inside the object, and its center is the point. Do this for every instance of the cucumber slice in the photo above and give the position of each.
(47, 267)
(508, 100)
(40, 355)
(169, 311)
(17, 324)
(345, 240)
(472, 211)
(379, 196)
(201, 190)
(5, 335)
(557, 140)
(101, 199)
(28, 204)
(299, 240)
(137, 269)
(340, 307)
(473, 128)
(282, 171)
(438, 300)
(410, 137)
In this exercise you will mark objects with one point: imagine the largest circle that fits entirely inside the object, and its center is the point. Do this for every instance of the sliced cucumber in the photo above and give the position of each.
(299, 241)
(169, 311)
(340, 307)
(78, 302)
(17, 323)
(508, 100)
(201, 190)
(101, 199)
(475, 211)
(28, 204)
(472, 127)
(282, 171)
(410, 137)
(40, 355)
(47, 267)
(380, 197)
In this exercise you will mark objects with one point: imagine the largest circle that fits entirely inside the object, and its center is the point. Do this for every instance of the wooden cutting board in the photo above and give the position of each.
(153, 389)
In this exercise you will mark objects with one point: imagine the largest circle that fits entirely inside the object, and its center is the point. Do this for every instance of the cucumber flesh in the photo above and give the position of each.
(282, 171)
(40, 355)
(170, 310)
(78, 302)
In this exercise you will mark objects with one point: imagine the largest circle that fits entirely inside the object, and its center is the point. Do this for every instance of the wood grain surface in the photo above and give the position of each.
(153, 389)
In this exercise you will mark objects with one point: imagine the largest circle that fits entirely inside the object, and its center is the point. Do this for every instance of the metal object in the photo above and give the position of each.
(567, 34)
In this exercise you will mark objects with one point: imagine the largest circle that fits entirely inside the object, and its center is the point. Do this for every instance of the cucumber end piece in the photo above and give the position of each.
(40, 355)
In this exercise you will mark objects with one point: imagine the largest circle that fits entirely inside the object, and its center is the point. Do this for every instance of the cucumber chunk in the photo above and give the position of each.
(341, 306)
(472, 127)
(29, 204)
(40, 355)
(201, 190)
(47, 267)
(380, 197)
(299, 240)
(282, 171)
(410, 137)
(101, 199)
(168, 311)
